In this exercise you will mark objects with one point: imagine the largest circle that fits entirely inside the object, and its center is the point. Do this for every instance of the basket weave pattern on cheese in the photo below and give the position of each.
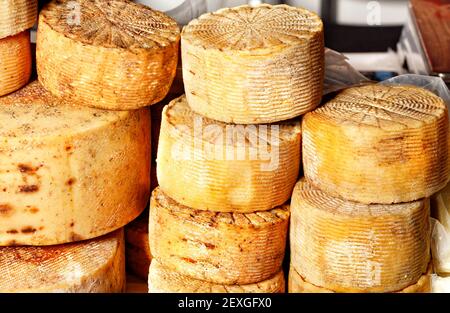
(97, 265)
(17, 16)
(378, 144)
(120, 56)
(212, 179)
(250, 65)
(223, 248)
(15, 62)
(163, 280)
(352, 247)
(68, 172)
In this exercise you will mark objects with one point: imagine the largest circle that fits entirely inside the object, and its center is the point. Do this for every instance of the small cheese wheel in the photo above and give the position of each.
(223, 248)
(378, 144)
(16, 16)
(210, 165)
(94, 266)
(110, 54)
(296, 284)
(15, 62)
(163, 280)
(252, 65)
(138, 247)
(440, 284)
(68, 172)
(351, 247)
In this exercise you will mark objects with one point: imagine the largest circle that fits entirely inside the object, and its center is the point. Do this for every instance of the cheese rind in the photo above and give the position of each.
(209, 165)
(351, 247)
(119, 55)
(252, 65)
(378, 144)
(93, 266)
(223, 248)
(163, 280)
(296, 284)
(17, 16)
(15, 62)
(137, 246)
(68, 172)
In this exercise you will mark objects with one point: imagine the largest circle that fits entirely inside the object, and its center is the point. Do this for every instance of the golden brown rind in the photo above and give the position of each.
(17, 16)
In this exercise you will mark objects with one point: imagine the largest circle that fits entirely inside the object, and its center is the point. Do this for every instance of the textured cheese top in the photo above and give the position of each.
(183, 120)
(250, 28)
(32, 112)
(56, 268)
(111, 23)
(387, 107)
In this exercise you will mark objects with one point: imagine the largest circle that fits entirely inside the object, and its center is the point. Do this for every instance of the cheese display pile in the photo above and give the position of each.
(360, 219)
(16, 18)
(75, 143)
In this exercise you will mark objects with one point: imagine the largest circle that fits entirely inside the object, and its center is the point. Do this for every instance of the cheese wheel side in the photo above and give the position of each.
(17, 16)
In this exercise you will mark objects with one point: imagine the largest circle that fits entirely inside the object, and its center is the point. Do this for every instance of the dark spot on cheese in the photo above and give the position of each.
(28, 230)
(192, 72)
(25, 168)
(34, 210)
(70, 181)
(209, 245)
(193, 93)
(12, 243)
(72, 224)
(28, 188)
(69, 148)
(75, 237)
(189, 260)
(5, 209)
(12, 231)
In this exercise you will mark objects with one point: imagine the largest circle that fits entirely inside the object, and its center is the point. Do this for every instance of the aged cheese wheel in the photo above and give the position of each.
(112, 54)
(210, 165)
(15, 62)
(16, 16)
(96, 265)
(378, 144)
(250, 65)
(296, 284)
(351, 247)
(223, 248)
(69, 173)
(163, 280)
(138, 247)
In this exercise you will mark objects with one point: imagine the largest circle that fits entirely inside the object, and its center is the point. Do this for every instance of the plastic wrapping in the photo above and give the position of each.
(339, 74)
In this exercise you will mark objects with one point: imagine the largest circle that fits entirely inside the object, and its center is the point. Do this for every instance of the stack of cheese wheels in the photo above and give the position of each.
(219, 218)
(360, 219)
(16, 18)
(109, 54)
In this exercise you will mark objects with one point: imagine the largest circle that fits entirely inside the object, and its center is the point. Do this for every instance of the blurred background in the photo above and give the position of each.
(380, 38)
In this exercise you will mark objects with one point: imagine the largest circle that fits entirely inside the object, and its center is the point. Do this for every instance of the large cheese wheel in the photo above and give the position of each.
(163, 280)
(15, 62)
(351, 247)
(250, 65)
(138, 247)
(112, 54)
(69, 173)
(223, 248)
(296, 284)
(96, 265)
(378, 144)
(210, 165)
(16, 16)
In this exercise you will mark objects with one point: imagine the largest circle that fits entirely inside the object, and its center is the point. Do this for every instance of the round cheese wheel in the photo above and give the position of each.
(251, 65)
(210, 165)
(163, 280)
(351, 247)
(138, 247)
(15, 62)
(68, 172)
(378, 144)
(296, 284)
(94, 266)
(16, 16)
(223, 248)
(112, 54)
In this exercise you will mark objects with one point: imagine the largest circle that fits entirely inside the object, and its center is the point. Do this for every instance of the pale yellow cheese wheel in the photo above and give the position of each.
(163, 280)
(68, 172)
(17, 16)
(93, 266)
